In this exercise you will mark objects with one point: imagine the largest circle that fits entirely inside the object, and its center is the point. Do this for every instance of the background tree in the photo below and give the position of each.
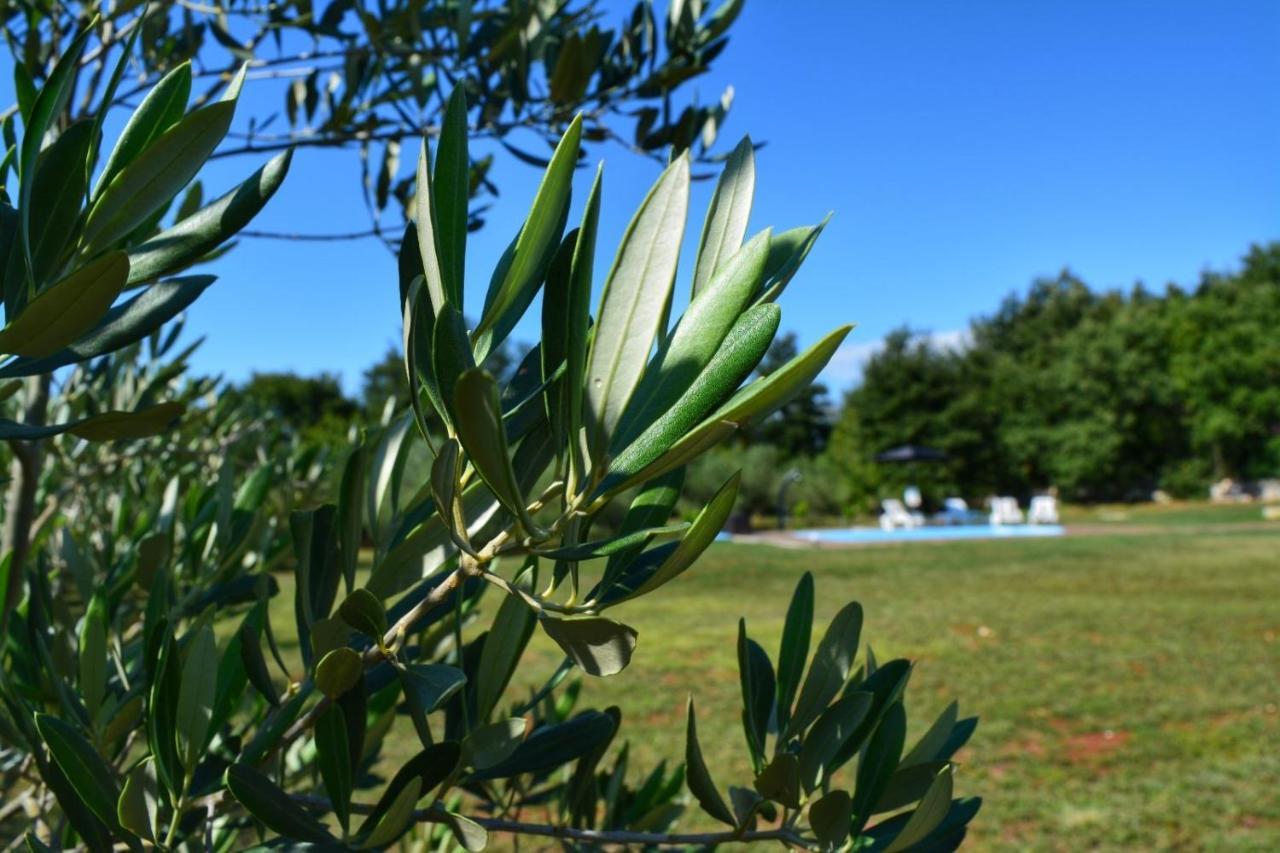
(906, 397)
(1101, 395)
(312, 407)
(802, 426)
(1226, 366)
(384, 379)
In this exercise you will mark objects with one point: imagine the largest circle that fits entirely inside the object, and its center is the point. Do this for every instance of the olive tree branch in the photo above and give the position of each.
(470, 565)
(606, 836)
(376, 654)
(597, 836)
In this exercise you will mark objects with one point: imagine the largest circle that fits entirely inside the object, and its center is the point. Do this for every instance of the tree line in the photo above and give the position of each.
(1100, 395)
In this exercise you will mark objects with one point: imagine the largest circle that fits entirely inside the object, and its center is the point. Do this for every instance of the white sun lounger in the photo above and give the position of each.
(1043, 510)
(894, 515)
(1005, 510)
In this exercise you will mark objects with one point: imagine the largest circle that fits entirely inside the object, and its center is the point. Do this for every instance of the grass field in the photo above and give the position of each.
(1127, 684)
(1176, 514)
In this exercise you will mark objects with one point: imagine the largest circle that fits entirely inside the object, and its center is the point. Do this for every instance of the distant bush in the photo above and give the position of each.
(1187, 480)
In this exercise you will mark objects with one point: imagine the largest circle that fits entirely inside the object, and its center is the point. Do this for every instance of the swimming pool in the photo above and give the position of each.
(931, 534)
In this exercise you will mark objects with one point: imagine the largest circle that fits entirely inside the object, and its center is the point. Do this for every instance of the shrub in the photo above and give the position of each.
(145, 696)
(1187, 479)
(759, 468)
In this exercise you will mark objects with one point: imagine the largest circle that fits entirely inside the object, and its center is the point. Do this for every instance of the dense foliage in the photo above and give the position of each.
(1102, 395)
(149, 696)
(1095, 395)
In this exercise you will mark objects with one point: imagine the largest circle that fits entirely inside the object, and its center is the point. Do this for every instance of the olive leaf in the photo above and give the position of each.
(93, 655)
(520, 273)
(491, 744)
(275, 809)
(122, 325)
(744, 346)
(701, 785)
(160, 109)
(108, 426)
(633, 305)
(928, 815)
(780, 780)
(829, 818)
(255, 664)
(451, 195)
(701, 332)
(396, 819)
(67, 308)
(786, 253)
(615, 545)
(196, 694)
(138, 808)
(600, 646)
(878, 763)
(759, 689)
(794, 650)
(338, 671)
(479, 414)
(727, 214)
(830, 668)
(48, 105)
(333, 754)
(678, 557)
(833, 728)
(364, 612)
(503, 646)
(767, 395)
(143, 185)
(192, 238)
(89, 775)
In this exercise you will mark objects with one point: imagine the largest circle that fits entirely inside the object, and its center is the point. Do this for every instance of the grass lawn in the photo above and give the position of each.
(1127, 685)
(1176, 514)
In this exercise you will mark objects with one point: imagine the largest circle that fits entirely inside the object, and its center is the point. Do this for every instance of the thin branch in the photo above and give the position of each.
(605, 836)
(325, 141)
(284, 235)
(596, 836)
(374, 655)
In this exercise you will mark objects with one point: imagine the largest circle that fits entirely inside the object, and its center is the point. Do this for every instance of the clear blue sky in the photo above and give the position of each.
(965, 148)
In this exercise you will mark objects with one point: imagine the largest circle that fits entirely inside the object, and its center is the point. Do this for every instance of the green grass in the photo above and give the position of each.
(1178, 514)
(1127, 685)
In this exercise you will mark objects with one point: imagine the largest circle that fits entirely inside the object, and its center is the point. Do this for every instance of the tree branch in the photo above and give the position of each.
(596, 836)
(606, 836)
(374, 655)
(284, 235)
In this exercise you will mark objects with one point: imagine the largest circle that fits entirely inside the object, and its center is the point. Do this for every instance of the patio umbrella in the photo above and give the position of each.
(911, 453)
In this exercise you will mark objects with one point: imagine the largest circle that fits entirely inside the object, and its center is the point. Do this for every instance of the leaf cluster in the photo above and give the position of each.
(72, 246)
(146, 684)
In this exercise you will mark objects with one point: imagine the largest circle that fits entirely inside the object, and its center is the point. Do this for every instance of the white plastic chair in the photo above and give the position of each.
(894, 515)
(1005, 510)
(1043, 510)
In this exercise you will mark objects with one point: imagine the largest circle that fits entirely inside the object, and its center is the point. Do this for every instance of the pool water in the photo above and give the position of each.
(931, 534)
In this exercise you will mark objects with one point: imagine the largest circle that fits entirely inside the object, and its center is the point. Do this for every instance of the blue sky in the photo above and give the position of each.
(964, 148)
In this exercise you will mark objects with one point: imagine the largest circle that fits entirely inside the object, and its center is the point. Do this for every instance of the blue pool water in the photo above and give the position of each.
(930, 534)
